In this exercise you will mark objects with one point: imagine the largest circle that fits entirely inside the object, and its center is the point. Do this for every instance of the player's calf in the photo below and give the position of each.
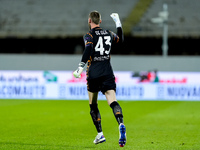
(117, 110)
(96, 117)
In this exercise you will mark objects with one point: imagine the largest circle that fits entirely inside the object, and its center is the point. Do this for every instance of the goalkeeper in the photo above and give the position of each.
(100, 76)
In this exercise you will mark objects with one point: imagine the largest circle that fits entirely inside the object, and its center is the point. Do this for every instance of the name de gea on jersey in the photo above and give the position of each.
(102, 32)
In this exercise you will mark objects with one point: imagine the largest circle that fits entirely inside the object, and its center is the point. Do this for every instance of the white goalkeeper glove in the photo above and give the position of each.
(116, 19)
(79, 70)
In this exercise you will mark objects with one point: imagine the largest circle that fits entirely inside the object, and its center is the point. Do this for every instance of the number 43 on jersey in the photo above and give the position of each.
(100, 45)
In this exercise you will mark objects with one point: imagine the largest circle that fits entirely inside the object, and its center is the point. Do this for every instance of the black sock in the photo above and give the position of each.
(117, 110)
(96, 117)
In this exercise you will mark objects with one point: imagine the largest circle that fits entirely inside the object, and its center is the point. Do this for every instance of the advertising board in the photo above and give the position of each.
(130, 85)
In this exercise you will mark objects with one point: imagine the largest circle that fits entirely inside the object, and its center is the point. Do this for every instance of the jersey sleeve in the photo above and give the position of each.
(88, 39)
(119, 37)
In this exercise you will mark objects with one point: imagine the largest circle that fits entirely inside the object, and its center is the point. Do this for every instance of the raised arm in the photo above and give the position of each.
(119, 37)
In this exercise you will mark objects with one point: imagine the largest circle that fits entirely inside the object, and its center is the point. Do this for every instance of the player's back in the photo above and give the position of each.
(99, 63)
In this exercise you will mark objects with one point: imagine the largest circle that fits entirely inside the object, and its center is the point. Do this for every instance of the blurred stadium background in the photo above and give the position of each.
(35, 29)
(48, 35)
(57, 27)
(41, 43)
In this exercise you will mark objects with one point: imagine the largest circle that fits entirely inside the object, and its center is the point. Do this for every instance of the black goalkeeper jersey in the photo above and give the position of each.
(98, 44)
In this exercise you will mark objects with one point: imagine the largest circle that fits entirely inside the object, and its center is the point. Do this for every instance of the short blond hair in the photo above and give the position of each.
(95, 16)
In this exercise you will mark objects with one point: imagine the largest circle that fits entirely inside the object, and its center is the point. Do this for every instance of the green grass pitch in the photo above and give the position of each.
(67, 125)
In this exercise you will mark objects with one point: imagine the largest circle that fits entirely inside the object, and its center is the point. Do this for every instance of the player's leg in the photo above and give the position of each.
(108, 88)
(117, 110)
(94, 111)
(96, 117)
(112, 102)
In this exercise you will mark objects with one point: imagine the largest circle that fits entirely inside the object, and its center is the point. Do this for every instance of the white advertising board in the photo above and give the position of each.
(130, 85)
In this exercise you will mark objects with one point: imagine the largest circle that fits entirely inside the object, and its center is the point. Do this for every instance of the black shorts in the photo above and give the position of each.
(102, 84)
